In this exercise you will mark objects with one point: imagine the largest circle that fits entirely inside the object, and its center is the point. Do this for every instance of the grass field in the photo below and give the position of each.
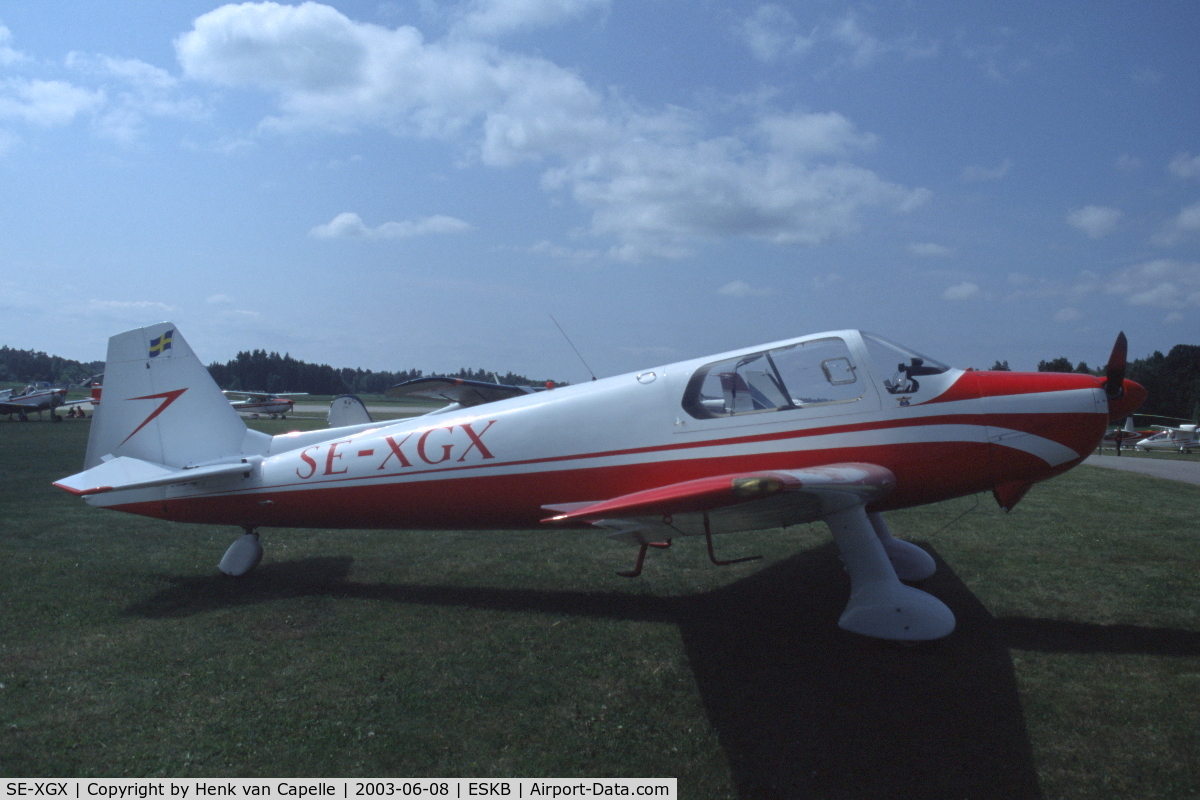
(1074, 673)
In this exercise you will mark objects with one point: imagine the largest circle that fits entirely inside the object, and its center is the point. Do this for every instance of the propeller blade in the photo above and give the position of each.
(1114, 372)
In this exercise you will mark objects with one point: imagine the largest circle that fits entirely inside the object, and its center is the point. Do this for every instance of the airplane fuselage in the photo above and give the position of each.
(497, 465)
(258, 407)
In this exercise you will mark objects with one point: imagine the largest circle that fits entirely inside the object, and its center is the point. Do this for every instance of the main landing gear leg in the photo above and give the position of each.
(243, 555)
(880, 605)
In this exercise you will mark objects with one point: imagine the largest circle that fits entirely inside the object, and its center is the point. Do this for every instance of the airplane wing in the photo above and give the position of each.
(26, 403)
(1188, 429)
(456, 390)
(734, 502)
(261, 395)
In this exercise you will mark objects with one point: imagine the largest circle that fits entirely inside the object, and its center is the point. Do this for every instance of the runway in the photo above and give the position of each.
(1171, 469)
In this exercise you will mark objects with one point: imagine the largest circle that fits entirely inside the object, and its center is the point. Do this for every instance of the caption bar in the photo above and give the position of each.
(314, 788)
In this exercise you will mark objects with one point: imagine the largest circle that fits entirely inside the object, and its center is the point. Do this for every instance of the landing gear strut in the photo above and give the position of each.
(880, 605)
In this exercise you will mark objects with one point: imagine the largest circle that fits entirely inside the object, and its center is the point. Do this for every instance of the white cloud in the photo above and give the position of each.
(1185, 165)
(117, 94)
(7, 54)
(742, 289)
(498, 17)
(349, 225)
(545, 248)
(1128, 163)
(45, 103)
(929, 249)
(129, 311)
(1068, 315)
(976, 172)
(1163, 283)
(304, 48)
(820, 282)
(864, 48)
(1002, 59)
(656, 182)
(812, 135)
(131, 304)
(771, 32)
(135, 90)
(962, 291)
(1185, 225)
(1095, 221)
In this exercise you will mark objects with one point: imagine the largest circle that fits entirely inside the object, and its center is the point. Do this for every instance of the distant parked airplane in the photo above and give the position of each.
(39, 397)
(1182, 439)
(259, 403)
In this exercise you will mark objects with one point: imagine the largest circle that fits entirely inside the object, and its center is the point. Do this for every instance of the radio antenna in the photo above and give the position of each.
(573, 347)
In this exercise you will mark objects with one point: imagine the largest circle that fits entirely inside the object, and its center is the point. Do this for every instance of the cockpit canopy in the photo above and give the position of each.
(816, 372)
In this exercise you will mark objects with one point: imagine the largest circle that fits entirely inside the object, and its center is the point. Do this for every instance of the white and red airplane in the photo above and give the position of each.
(1184, 439)
(258, 403)
(822, 427)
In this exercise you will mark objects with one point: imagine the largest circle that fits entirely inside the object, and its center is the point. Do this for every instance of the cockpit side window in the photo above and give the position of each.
(817, 372)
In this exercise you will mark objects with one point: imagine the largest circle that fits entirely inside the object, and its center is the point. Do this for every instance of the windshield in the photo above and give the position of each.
(900, 366)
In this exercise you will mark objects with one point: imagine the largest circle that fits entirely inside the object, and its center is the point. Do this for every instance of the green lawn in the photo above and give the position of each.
(1075, 671)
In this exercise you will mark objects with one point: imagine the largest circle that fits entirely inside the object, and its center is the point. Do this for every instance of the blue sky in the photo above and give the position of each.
(422, 183)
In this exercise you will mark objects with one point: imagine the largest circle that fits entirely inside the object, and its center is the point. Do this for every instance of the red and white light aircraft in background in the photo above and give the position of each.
(840, 427)
(258, 403)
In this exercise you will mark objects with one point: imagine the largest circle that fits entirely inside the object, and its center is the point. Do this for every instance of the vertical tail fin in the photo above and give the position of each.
(160, 404)
(346, 410)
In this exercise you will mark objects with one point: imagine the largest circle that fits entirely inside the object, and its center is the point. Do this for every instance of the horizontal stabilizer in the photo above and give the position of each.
(132, 473)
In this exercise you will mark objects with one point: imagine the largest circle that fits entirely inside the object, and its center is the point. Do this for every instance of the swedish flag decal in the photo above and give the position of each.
(161, 344)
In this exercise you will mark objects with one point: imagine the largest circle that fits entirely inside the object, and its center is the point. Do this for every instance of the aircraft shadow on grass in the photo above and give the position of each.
(801, 708)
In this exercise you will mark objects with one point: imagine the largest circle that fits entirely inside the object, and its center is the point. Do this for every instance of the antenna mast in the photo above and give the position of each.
(573, 347)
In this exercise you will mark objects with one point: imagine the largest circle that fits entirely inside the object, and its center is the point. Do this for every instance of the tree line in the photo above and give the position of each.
(260, 371)
(253, 371)
(33, 366)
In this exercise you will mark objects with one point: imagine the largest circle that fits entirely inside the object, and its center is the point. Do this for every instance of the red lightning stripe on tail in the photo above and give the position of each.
(166, 397)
